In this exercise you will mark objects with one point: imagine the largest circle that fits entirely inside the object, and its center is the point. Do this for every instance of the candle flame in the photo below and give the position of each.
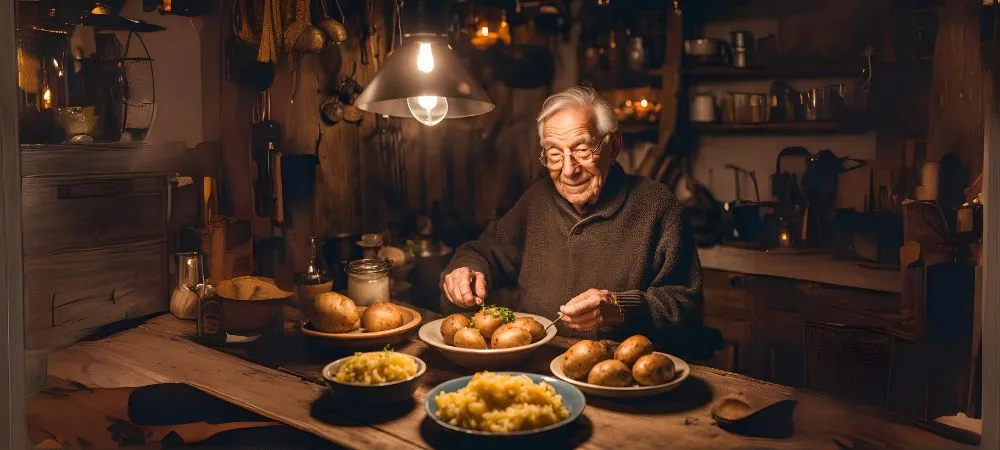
(47, 98)
(643, 103)
(484, 31)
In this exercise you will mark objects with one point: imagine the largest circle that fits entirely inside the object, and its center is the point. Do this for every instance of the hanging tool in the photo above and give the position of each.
(367, 31)
(265, 135)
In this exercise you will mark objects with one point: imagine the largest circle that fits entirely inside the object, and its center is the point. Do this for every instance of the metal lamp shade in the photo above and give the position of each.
(400, 79)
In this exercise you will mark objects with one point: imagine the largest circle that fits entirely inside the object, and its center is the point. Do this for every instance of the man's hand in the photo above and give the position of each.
(465, 287)
(593, 309)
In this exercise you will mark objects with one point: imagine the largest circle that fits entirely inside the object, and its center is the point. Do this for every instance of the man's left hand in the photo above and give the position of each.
(593, 309)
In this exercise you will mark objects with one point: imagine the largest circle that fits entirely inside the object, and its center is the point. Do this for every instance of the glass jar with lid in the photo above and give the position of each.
(368, 281)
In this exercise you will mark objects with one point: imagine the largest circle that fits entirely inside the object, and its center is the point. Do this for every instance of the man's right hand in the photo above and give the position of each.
(465, 287)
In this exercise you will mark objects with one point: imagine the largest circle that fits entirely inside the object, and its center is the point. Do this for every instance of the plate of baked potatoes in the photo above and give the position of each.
(338, 322)
(627, 370)
(494, 337)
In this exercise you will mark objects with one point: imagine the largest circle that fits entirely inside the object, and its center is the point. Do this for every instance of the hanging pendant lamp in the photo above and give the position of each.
(424, 79)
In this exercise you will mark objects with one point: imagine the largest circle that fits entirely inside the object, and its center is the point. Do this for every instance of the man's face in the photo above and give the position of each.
(568, 131)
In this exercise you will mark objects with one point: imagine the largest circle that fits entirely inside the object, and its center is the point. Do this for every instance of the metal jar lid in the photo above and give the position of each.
(369, 266)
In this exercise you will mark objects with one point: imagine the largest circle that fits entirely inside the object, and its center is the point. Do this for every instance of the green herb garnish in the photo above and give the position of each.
(387, 348)
(505, 314)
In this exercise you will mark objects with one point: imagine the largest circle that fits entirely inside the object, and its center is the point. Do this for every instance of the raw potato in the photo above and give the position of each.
(382, 316)
(632, 348)
(510, 336)
(470, 338)
(530, 325)
(486, 323)
(582, 357)
(611, 373)
(335, 313)
(654, 369)
(450, 325)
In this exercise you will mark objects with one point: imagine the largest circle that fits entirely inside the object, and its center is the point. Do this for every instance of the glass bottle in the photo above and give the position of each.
(312, 281)
(636, 55)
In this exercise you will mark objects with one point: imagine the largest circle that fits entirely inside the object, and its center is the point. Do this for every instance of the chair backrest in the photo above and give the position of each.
(849, 362)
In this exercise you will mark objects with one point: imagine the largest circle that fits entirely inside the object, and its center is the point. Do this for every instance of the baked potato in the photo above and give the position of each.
(611, 373)
(488, 319)
(382, 316)
(509, 335)
(632, 348)
(335, 313)
(582, 357)
(653, 369)
(532, 326)
(469, 338)
(450, 325)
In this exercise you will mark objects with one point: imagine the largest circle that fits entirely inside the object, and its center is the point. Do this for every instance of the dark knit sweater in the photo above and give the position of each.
(634, 242)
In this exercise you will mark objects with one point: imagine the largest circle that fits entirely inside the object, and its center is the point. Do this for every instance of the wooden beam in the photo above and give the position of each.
(990, 261)
(13, 429)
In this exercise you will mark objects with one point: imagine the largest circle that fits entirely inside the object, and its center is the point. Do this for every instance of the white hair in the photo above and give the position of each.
(602, 115)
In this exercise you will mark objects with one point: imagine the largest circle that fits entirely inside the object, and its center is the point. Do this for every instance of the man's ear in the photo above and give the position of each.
(616, 144)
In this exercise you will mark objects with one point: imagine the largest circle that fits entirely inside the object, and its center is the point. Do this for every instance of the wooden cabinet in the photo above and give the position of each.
(95, 234)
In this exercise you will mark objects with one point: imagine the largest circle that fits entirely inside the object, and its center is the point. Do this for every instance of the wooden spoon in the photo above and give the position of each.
(735, 414)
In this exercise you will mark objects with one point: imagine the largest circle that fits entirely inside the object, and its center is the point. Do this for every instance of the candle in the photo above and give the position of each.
(47, 98)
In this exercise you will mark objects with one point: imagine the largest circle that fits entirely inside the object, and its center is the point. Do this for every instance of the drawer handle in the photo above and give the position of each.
(737, 281)
(94, 189)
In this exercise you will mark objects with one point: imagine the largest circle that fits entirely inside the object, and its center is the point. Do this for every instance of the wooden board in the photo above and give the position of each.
(158, 352)
(69, 295)
(818, 268)
(67, 213)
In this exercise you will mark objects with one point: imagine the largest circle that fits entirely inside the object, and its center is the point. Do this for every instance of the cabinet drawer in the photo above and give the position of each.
(71, 294)
(66, 213)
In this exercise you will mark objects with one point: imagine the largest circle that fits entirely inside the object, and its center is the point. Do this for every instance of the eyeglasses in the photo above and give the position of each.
(553, 159)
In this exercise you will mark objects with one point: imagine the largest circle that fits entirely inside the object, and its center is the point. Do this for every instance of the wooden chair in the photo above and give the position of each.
(852, 363)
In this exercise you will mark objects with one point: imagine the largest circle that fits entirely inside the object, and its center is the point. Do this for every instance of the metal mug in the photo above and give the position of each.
(190, 270)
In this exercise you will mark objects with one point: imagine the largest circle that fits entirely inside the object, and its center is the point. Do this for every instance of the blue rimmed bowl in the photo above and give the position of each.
(572, 399)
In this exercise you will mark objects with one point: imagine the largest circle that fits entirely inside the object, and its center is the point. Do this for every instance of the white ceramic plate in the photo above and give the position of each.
(505, 358)
(682, 368)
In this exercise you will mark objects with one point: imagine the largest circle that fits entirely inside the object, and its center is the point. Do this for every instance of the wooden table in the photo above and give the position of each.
(284, 383)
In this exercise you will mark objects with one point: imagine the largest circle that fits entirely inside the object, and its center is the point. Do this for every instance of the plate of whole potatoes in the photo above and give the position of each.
(632, 369)
(338, 322)
(493, 337)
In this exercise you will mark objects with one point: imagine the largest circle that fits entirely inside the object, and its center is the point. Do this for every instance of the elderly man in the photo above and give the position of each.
(610, 251)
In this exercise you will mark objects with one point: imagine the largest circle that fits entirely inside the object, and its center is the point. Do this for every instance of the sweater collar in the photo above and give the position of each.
(612, 197)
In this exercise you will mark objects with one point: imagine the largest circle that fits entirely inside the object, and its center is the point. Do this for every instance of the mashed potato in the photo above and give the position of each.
(376, 368)
(501, 404)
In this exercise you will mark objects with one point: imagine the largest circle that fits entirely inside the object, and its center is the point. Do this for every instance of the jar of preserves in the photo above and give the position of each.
(368, 281)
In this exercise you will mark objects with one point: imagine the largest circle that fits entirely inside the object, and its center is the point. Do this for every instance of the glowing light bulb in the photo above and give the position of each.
(425, 59)
(485, 31)
(428, 109)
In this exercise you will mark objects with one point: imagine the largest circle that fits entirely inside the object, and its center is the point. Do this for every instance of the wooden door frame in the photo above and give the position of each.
(990, 258)
(13, 428)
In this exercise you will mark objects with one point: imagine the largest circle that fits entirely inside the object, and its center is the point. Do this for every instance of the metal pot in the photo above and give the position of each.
(745, 108)
(703, 108)
(708, 50)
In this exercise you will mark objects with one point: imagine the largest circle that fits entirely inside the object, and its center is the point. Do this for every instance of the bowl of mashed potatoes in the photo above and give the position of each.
(504, 404)
(380, 377)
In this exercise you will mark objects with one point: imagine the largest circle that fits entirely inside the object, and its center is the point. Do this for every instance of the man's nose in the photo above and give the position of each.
(569, 167)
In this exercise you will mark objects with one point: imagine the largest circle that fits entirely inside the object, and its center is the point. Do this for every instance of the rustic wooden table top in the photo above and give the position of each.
(281, 379)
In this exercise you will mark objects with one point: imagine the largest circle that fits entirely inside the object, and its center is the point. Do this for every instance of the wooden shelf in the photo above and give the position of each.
(609, 80)
(779, 128)
(728, 73)
(639, 127)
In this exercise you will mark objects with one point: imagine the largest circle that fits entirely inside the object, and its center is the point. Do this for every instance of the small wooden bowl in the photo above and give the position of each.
(359, 339)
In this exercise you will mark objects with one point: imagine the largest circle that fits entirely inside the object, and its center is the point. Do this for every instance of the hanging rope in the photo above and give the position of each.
(302, 21)
(270, 30)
